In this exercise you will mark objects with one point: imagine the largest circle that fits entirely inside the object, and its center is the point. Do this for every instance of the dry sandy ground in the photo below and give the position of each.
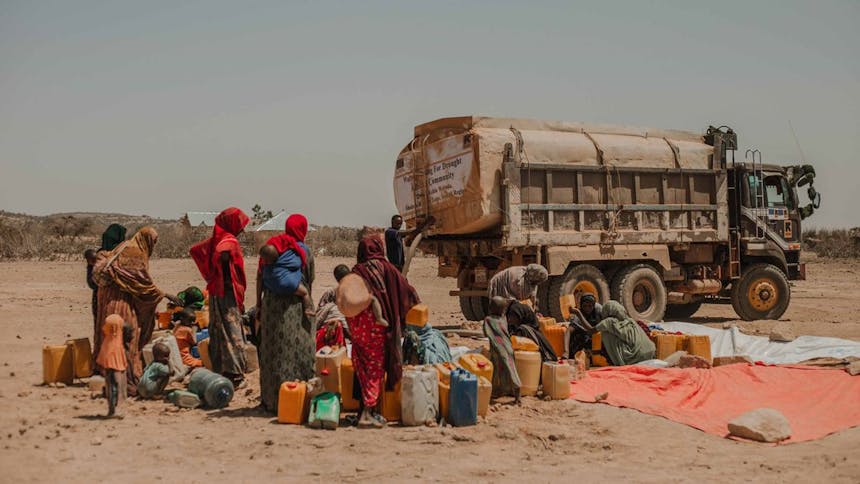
(55, 433)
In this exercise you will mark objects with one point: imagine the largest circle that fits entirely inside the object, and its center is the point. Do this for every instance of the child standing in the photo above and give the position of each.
(186, 337)
(157, 374)
(113, 363)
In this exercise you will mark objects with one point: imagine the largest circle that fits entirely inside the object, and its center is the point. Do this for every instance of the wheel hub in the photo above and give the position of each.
(763, 295)
(642, 297)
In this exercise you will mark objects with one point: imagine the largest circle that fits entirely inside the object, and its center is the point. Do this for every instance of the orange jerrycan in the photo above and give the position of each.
(528, 367)
(444, 390)
(419, 315)
(478, 365)
(485, 391)
(699, 345)
(82, 357)
(202, 318)
(347, 373)
(391, 404)
(291, 402)
(555, 378)
(554, 333)
(521, 343)
(444, 370)
(203, 348)
(565, 303)
(164, 318)
(57, 364)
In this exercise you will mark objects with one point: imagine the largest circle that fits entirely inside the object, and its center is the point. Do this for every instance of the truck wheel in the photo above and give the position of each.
(466, 308)
(762, 292)
(480, 307)
(639, 288)
(577, 280)
(681, 311)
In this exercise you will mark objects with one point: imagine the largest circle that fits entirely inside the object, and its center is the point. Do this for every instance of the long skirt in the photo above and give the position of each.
(506, 380)
(226, 336)
(368, 355)
(141, 319)
(286, 346)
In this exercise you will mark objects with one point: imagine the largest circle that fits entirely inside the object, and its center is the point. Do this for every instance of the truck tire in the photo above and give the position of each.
(577, 280)
(480, 307)
(466, 308)
(639, 288)
(762, 292)
(681, 311)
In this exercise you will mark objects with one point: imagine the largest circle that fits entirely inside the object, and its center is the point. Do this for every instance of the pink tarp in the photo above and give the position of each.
(816, 401)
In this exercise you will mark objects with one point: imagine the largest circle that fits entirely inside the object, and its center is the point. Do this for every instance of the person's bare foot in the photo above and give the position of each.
(365, 421)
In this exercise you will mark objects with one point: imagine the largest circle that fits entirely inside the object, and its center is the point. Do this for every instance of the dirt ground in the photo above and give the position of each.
(56, 433)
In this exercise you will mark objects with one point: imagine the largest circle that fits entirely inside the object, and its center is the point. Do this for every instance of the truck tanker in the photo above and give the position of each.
(659, 220)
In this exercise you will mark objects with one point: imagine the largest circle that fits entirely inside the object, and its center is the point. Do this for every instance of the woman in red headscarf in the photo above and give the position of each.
(286, 341)
(376, 350)
(220, 261)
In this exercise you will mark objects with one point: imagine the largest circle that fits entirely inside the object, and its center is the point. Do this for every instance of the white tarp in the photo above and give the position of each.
(731, 342)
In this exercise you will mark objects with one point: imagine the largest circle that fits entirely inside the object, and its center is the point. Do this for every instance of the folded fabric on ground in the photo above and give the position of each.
(816, 401)
(731, 342)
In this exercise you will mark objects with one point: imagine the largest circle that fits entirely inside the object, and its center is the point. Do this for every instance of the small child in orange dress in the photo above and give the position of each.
(186, 337)
(113, 363)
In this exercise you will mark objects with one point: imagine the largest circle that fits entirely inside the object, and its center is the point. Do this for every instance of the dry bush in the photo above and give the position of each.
(837, 243)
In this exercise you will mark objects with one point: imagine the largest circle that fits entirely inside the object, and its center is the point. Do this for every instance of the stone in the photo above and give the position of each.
(853, 369)
(731, 360)
(761, 425)
(603, 396)
(675, 358)
(693, 361)
(782, 334)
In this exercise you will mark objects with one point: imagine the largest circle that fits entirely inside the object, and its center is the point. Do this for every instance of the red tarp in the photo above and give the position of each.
(816, 401)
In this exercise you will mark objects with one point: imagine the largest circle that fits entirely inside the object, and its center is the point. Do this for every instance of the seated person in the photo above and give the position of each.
(157, 374)
(623, 339)
(522, 321)
(575, 339)
(285, 276)
(186, 337)
(506, 380)
(330, 326)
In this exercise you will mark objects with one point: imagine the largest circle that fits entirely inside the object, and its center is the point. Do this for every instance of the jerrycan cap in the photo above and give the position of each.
(482, 364)
(292, 385)
(325, 372)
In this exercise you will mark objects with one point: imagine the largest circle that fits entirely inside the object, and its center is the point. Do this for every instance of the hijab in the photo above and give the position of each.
(295, 231)
(127, 266)
(112, 237)
(207, 254)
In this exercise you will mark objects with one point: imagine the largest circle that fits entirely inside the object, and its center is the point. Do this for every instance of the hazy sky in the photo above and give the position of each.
(163, 107)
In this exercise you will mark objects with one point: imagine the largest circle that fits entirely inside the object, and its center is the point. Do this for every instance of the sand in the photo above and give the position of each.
(57, 434)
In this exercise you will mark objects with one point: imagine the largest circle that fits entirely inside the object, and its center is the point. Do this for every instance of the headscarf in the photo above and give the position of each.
(112, 237)
(112, 353)
(127, 266)
(614, 309)
(295, 231)
(536, 274)
(207, 254)
(529, 327)
(192, 297)
(395, 295)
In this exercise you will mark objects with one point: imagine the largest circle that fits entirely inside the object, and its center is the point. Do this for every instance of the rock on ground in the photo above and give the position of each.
(853, 369)
(693, 361)
(731, 360)
(675, 358)
(762, 425)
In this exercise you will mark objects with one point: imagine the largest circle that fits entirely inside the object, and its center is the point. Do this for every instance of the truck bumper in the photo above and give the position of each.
(797, 272)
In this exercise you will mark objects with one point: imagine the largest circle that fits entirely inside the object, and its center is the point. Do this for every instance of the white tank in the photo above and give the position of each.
(419, 399)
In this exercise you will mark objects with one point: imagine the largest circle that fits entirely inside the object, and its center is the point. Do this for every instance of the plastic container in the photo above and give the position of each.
(444, 370)
(202, 319)
(419, 315)
(291, 402)
(82, 357)
(324, 411)
(96, 384)
(699, 345)
(555, 335)
(203, 349)
(528, 365)
(419, 397)
(347, 375)
(164, 318)
(327, 363)
(521, 343)
(212, 388)
(478, 364)
(546, 321)
(666, 344)
(463, 399)
(597, 346)
(444, 392)
(390, 403)
(252, 361)
(566, 302)
(57, 364)
(485, 391)
(556, 378)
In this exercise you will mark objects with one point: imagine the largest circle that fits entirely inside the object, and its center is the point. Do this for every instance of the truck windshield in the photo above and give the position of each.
(778, 192)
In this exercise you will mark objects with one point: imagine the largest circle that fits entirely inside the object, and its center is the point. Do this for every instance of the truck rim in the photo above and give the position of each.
(763, 295)
(643, 296)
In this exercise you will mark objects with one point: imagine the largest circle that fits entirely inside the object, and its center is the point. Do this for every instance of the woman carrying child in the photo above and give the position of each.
(221, 263)
(283, 306)
(376, 349)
